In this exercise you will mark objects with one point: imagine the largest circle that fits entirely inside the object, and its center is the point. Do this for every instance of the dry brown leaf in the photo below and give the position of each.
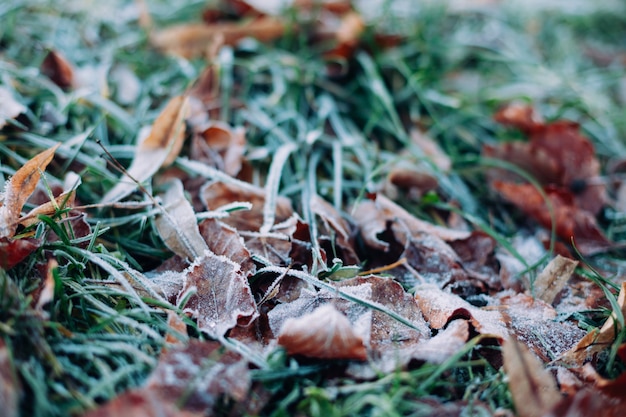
(160, 148)
(198, 375)
(553, 278)
(9, 384)
(558, 155)
(431, 149)
(193, 40)
(56, 67)
(325, 333)
(48, 208)
(10, 108)
(533, 388)
(219, 145)
(46, 293)
(177, 225)
(588, 402)
(218, 194)
(572, 222)
(222, 298)
(597, 339)
(19, 188)
(224, 240)
(334, 226)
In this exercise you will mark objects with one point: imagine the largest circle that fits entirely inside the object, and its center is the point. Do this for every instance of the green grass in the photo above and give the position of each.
(307, 134)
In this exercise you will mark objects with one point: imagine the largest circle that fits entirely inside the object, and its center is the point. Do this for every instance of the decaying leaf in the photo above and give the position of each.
(177, 224)
(159, 148)
(193, 40)
(325, 333)
(56, 67)
(196, 376)
(533, 388)
(336, 233)
(10, 108)
(224, 240)
(9, 384)
(440, 307)
(597, 339)
(553, 278)
(48, 208)
(571, 221)
(534, 323)
(19, 188)
(222, 296)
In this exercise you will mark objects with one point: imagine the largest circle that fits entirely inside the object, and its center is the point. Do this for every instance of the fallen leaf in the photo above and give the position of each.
(534, 323)
(46, 291)
(56, 67)
(219, 145)
(588, 402)
(325, 333)
(177, 330)
(218, 194)
(193, 40)
(65, 200)
(224, 240)
(431, 150)
(196, 376)
(177, 224)
(222, 298)
(533, 388)
(335, 233)
(558, 155)
(445, 344)
(19, 188)
(571, 221)
(14, 251)
(597, 339)
(553, 278)
(10, 388)
(159, 148)
(10, 108)
(440, 307)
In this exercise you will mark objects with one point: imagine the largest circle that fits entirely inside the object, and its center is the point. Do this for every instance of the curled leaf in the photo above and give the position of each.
(177, 224)
(19, 188)
(553, 278)
(325, 333)
(56, 67)
(160, 148)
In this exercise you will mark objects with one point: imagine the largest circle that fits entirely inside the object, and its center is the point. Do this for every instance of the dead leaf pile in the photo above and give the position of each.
(563, 161)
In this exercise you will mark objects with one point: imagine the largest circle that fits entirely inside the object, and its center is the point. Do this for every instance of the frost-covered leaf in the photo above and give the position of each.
(177, 224)
(10, 108)
(325, 333)
(218, 194)
(553, 278)
(445, 344)
(139, 403)
(440, 307)
(159, 148)
(219, 145)
(533, 388)
(224, 240)
(19, 188)
(198, 375)
(222, 297)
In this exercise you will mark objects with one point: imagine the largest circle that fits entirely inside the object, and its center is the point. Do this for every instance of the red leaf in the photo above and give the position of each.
(12, 252)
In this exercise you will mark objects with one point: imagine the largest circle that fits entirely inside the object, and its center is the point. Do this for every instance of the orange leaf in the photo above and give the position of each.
(324, 333)
(160, 148)
(19, 188)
